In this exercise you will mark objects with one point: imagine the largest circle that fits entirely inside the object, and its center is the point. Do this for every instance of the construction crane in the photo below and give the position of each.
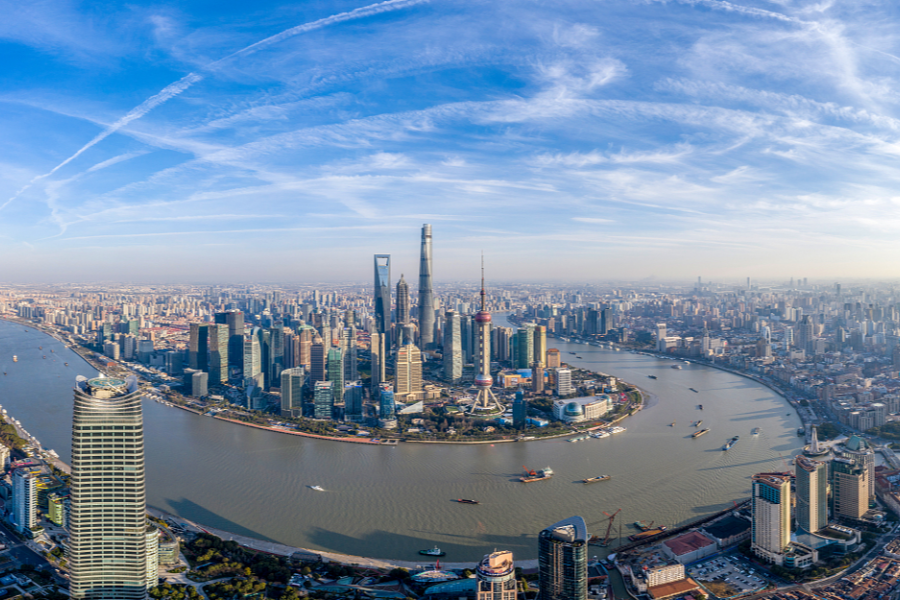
(609, 527)
(530, 472)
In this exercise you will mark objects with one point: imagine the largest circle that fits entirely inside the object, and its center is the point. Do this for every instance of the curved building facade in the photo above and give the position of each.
(562, 560)
(496, 575)
(108, 519)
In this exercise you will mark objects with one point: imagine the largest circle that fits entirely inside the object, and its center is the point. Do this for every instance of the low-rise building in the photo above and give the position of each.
(586, 408)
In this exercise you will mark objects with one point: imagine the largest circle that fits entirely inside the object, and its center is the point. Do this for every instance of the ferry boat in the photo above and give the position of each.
(617, 429)
(697, 434)
(730, 443)
(652, 376)
(595, 479)
(756, 431)
(464, 501)
(532, 476)
(318, 488)
(433, 552)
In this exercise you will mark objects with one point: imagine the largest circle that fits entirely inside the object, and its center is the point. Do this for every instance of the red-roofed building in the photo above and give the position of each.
(690, 547)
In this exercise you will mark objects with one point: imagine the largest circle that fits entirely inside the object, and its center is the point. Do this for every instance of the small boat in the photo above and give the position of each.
(698, 423)
(464, 501)
(695, 391)
(643, 525)
(672, 424)
(676, 366)
(571, 353)
(730, 443)
(67, 364)
(45, 356)
(756, 431)
(697, 434)
(577, 357)
(433, 552)
(700, 406)
(40, 347)
(652, 376)
(595, 479)
(15, 358)
(318, 488)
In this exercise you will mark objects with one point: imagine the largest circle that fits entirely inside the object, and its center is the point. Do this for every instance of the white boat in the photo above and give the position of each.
(617, 429)
(318, 488)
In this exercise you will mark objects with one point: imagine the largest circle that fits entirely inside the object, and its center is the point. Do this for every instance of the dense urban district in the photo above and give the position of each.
(382, 363)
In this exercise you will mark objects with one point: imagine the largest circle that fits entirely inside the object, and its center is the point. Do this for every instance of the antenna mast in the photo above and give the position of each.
(482, 280)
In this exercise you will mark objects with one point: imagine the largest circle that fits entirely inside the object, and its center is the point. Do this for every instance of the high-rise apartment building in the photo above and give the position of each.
(24, 501)
(771, 513)
(219, 339)
(426, 294)
(453, 354)
(383, 295)
(198, 347)
(107, 550)
(564, 383)
(554, 360)
(496, 577)
(562, 560)
(812, 494)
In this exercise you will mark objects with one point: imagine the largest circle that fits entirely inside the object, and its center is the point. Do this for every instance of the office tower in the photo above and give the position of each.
(408, 373)
(812, 494)
(199, 384)
(336, 374)
(426, 295)
(520, 410)
(858, 450)
(453, 355)
(540, 344)
(849, 489)
(323, 400)
(235, 321)
(292, 391)
(383, 296)
(402, 303)
(276, 351)
(353, 402)
(219, 338)
(265, 356)
(24, 501)
(805, 335)
(378, 360)
(564, 383)
(468, 334)
(350, 352)
(606, 321)
(771, 514)
(108, 517)
(198, 348)
(525, 346)
(496, 577)
(306, 335)
(661, 337)
(537, 377)
(483, 380)
(291, 349)
(386, 407)
(252, 363)
(318, 361)
(554, 360)
(562, 560)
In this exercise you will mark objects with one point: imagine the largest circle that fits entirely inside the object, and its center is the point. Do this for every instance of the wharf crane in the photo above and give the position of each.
(610, 520)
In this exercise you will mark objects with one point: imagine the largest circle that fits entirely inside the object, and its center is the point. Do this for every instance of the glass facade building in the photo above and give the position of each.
(218, 353)
(107, 550)
(562, 560)
(383, 294)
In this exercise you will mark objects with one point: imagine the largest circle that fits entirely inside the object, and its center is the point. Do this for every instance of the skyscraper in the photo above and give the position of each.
(383, 295)
(520, 410)
(24, 501)
(377, 352)
(485, 400)
(452, 355)
(198, 347)
(219, 338)
(276, 351)
(292, 391)
(540, 344)
(525, 346)
(805, 335)
(235, 321)
(336, 374)
(108, 517)
(323, 399)
(252, 361)
(812, 494)
(849, 489)
(402, 304)
(306, 335)
(496, 576)
(426, 295)
(408, 373)
(318, 360)
(562, 560)
(771, 512)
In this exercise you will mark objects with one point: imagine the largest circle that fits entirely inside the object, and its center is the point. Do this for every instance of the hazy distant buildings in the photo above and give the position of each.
(562, 560)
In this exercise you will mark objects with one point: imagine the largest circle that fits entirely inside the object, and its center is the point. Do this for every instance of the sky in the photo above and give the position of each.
(218, 142)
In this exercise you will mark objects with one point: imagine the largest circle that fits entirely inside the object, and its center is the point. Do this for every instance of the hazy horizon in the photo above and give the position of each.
(569, 141)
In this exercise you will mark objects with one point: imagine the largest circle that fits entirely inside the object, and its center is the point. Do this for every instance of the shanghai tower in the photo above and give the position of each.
(426, 295)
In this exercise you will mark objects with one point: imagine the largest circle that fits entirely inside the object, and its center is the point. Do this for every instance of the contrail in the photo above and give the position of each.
(173, 89)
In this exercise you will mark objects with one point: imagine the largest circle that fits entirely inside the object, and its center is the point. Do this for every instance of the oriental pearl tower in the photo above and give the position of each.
(486, 401)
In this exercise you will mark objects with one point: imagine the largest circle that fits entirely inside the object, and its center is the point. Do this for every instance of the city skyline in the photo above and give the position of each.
(751, 137)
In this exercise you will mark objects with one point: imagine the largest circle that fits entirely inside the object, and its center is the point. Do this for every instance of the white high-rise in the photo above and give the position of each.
(108, 518)
(24, 504)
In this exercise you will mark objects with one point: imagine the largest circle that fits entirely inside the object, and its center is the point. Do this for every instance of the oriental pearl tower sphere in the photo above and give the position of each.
(485, 401)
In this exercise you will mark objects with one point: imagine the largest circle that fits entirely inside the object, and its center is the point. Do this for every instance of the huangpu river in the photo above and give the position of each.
(391, 502)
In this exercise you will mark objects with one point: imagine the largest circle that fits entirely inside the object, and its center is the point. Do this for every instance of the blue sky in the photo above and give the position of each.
(267, 141)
